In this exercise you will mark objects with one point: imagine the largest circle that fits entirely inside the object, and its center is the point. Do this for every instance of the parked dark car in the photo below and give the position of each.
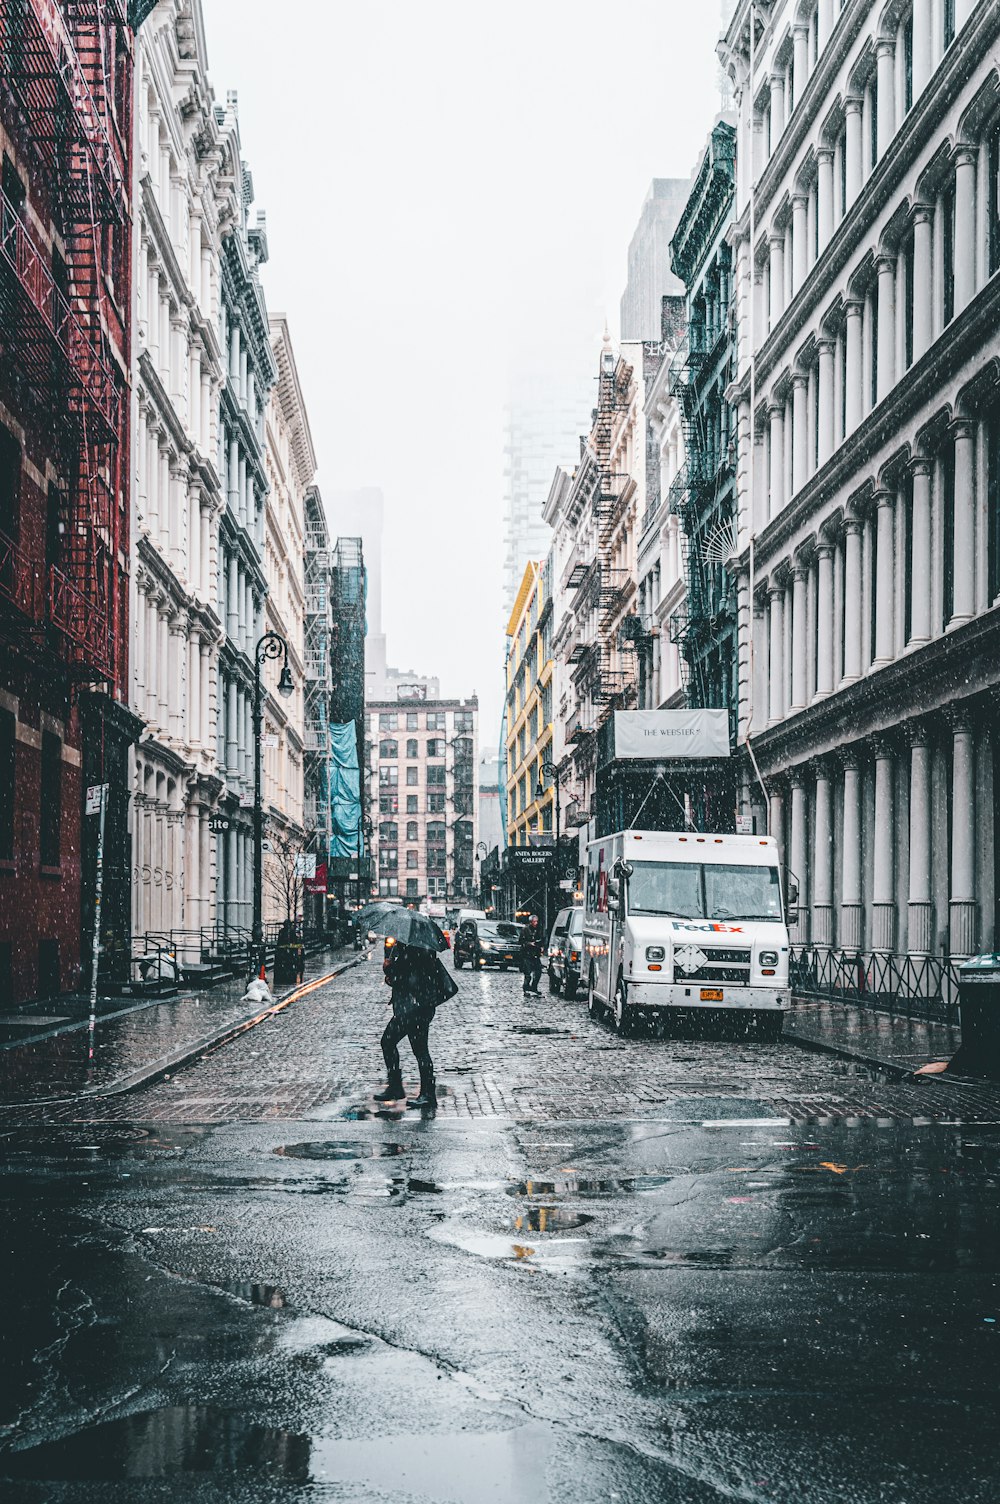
(486, 942)
(565, 956)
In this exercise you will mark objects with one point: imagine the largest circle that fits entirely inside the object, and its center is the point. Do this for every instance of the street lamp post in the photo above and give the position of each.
(271, 645)
(553, 771)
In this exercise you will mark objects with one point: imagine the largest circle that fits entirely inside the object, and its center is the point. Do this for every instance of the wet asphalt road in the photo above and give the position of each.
(634, 1270)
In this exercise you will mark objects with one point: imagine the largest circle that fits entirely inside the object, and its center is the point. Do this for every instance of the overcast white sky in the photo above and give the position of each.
(449, 187)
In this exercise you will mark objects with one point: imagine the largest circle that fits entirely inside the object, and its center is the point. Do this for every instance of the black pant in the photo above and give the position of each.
(414, 1027)
(532, 969)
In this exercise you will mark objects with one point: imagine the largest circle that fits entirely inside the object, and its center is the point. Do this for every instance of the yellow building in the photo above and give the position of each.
(529, 708)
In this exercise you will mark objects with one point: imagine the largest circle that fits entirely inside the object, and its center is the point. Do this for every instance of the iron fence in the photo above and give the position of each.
(910, 986)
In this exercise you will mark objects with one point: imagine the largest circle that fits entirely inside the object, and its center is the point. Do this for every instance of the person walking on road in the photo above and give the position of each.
(531, 957)
(418, 982)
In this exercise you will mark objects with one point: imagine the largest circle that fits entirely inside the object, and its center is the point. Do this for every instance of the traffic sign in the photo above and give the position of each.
(95, 798)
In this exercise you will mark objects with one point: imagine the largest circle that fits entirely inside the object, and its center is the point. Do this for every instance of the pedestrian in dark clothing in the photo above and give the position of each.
(531, 957)
(419, 982)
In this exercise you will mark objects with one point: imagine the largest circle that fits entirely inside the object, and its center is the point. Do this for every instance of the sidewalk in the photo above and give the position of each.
(133, 1044)
(889, 1041)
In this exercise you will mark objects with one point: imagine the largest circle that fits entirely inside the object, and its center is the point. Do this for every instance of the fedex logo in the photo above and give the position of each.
(719, 929)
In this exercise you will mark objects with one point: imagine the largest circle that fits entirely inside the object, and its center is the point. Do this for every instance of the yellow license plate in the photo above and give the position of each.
(711, 994)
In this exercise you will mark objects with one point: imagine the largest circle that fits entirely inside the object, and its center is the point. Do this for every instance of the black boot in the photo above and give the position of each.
(394, 1092)
(428, 1094)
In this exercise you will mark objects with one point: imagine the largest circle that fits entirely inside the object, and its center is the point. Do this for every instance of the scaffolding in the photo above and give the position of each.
(67, 70)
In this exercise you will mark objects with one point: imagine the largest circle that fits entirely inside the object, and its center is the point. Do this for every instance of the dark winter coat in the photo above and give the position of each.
(418, 980)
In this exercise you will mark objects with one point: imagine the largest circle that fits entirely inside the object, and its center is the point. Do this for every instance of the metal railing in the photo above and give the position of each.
(908, 986)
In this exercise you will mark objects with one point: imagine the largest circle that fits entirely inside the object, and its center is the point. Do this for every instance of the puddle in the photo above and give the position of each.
(326, 1149)
(571, 1185)
(465, 1467)
(560, 1255)
(692, 1258)
(535, 1029)
(549, 1219)
(423, 1188)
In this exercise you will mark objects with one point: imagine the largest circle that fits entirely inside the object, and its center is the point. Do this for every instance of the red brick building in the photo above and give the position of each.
(65, 312)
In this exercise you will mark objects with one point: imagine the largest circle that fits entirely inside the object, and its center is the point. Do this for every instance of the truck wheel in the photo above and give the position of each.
(569, 987)
(459, 963)
(553, 983)
(624, 1016)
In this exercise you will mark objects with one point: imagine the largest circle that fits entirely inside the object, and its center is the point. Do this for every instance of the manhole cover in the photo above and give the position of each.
(322, 1149)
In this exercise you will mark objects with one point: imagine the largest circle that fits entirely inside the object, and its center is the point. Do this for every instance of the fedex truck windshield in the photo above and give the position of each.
(704, 890)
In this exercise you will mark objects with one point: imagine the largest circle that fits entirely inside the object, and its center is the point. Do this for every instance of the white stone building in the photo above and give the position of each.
(290, 462)
(867, 247)
(184, 196)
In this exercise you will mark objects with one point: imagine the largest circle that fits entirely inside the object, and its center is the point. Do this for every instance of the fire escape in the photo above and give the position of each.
(318, 681)
(609, 681)
(64, 334)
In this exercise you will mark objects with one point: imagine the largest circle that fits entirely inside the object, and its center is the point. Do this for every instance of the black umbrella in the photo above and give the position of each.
(403, 926)
(365, 918)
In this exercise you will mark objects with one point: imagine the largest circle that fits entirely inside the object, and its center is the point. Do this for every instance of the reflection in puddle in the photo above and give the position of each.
(549, 1219)
(572, 1185)
(324, 1149)
(203, 1439)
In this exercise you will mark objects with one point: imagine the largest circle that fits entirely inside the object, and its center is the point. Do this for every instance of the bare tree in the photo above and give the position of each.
(282, 878)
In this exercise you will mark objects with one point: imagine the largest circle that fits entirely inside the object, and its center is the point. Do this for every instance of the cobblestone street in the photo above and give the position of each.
(499, 1054)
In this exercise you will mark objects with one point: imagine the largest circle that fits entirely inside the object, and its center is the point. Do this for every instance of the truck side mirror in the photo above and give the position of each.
(614, 887)
(792, 896)
(613, 906)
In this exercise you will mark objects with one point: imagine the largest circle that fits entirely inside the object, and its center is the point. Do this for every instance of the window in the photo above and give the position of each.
(435, 720)
(388, 776)
(412, 887)
(411, 804)
(435, 773)
(873, 340)
(436, 833)
(411, 860)
(8, 744)
(873, 120)
(842, 154)
(436, 859)
(435, 804)
(388, 720)
(948, 212)
(412, 830)
(412, 776)
(51, 791)
(388, 831)
(993, 199)
(948, 523)
(947, 22)
(388, 859)
(411, 720)
(463, 720)
(412, 748)
(906, 268)
(907, 501)
(388, 748)
(435, 748)
(388, 804)
(908, 64)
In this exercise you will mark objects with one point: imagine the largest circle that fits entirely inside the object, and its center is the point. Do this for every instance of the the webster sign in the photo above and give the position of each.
(658, 734)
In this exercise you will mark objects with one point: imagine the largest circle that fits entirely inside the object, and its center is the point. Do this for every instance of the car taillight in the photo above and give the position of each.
(574, 955)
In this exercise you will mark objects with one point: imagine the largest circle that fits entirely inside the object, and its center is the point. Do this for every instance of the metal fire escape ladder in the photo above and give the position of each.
(609, 681)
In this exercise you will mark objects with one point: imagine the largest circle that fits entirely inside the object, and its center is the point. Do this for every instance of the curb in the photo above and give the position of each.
(824, 1047)
(187, 1053)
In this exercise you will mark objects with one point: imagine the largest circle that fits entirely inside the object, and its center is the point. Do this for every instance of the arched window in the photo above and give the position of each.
(411, 830)
(388, 748)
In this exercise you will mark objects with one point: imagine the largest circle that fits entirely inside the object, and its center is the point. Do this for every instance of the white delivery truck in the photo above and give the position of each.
(686, 921)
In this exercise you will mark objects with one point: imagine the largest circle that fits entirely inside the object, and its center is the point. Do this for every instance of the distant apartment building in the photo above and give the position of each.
(530, 793)
(650, 275)
(424, 766)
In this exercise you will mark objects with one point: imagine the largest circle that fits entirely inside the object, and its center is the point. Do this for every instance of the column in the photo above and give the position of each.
(923, 279)
(853, 333)
(850, 890)
(776, 242)
(139, 657)
(965, 226)
(800, 240)
(800, 58)
(232, 599)
(759, 675)
(920, 908)
(178, 652)
(920, 551)
(777, 107)
(827, 397)
(921, 46)
(852, 147)
(852, 600)
(962, 907)
(776, 469)
(776, 818)
(824, 619)
(963, 431)
(207, 740)
(883, 584)
(883, 879)
(886, 333)
(800, 430)
(825, 21)
(885, 66)
(800, 637)
(193, 737)
(232, 732)
(797, 856)
(822, 873)
(163, 668)
(776, 676)
(824, 194)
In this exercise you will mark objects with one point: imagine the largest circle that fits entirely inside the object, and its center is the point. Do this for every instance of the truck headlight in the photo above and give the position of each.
(768, 958)
(655, 952)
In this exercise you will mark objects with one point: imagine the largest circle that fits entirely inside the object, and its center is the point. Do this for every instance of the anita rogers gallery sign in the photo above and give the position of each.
(655, 735)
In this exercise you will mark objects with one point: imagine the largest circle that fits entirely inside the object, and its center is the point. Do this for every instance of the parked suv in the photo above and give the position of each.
(486, 942)
(566, 952)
